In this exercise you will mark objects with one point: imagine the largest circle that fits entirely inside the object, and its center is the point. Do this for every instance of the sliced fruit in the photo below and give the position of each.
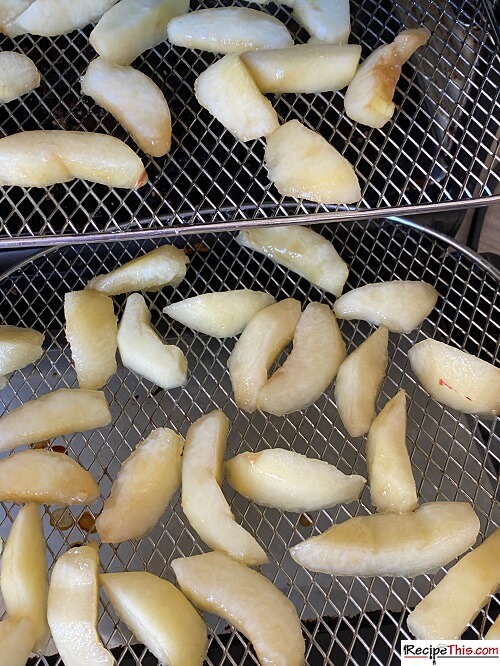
(142, 350)
(18, 76)
(43, 157)
(289, 481)
(368, 98)
(45, 477)
(228, 91)
(358, 382)
(456, 600)
(11, 9)
(17, 636)
(303, 68)
(390, 544)
(401, 305)
(56, 17)
(24, 580)
(456, 379)
(203, 503)
(303, 251)
(159, 615)
(150, 272)
(18, 348)
(302, 164)
(325, 20)
(216, 583)
(221, 314)
(494, 631)
(57, 413)
(91, 330)
(318, 350)
(134, 100)
(266, 335)
(228, 30)
(392, 486)
(133, 26)
(143, 487)
(73, 606)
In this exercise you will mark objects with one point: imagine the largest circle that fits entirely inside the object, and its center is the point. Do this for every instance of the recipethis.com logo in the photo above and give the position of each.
(450, 653)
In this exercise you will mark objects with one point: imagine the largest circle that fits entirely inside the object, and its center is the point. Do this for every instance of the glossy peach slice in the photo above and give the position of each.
(18, 348)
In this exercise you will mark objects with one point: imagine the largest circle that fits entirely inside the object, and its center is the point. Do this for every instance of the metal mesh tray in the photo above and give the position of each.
(454, 456)
(440, 149)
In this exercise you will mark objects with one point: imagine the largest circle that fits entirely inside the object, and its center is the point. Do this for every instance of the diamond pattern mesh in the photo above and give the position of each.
(454, 456)
(441, 145)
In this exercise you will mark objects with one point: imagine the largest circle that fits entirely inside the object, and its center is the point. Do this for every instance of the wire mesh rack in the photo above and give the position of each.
(440, 148)
(454, 456)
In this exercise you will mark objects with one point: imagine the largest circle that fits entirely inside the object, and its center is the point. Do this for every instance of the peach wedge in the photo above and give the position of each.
(325, 20)
(16, 639)
(18, 76)
(56, 17)
(18, 348)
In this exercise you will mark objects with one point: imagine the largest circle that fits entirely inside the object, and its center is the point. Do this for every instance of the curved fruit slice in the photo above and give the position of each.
(57, 17)
(24, 580)
(456, 600)
(45, 477)
(143, 487)
(150, 272)
(203, 503)
(43, 157)
(291, 482)
(221, 314)
(57, 413)
(390, 544)
(303, 251)
(91, 330)
(133, 26)
(142, 350)
(303, 68)
(392, 486)
(368, 98)
(228, 91)
(494, 631)
(159, 615)
(228, 30)
(401, 305)
(10, 10)
(73, 606)
(325, 20)
(18, 348)
(302, 164)
(358, 382)
(318, 350)
(263, 339)
(134, 100)
(246, 599)
(18, 76)
(456, 379)
(16, 640)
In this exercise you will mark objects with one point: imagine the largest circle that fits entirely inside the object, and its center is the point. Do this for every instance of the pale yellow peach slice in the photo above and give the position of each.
(16, 639)
(18, 76)
(325, 20)
(159, 616)
(18, 348)
(11, 9)
(56, 17)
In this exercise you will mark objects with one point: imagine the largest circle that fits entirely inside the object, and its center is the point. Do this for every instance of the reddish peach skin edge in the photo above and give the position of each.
(142, 180)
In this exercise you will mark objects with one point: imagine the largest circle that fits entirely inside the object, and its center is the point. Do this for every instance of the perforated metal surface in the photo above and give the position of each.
(454, 456)
(441, 145)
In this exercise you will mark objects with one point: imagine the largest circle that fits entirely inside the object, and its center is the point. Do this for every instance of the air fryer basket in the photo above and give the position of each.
(438, 152)
(454, 456)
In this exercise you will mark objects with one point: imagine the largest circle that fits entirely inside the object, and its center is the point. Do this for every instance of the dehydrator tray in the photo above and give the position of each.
(439, 152)
(454, 456)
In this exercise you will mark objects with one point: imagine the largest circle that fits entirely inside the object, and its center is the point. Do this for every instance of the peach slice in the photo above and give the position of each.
(456, 600)
(456, 379)
(159, 615)
(24, 580)
(57, 413)
(291, 482)
(303, 251)
(17, 636)
(218, 584)
(73, 607)
(11, 9)
(358, 382)
(56, 17)
(325, 20)
(203, 503)
(18, 348)
(265, 336)
(143, 487)
(91, 330)
(318, 350)
(493, 633)
(45, 477)
(391, 544)
(18, 76)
